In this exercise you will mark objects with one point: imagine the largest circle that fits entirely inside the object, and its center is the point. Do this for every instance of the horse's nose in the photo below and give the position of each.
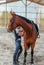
(8, 29)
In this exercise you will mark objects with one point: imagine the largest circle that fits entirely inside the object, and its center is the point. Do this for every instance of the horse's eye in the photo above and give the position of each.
(11, 21)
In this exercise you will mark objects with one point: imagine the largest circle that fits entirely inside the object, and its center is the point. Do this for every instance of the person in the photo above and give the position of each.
(19, 49)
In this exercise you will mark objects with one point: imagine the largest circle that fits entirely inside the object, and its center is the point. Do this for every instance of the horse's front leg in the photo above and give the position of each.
(25, 55)
(25, 49)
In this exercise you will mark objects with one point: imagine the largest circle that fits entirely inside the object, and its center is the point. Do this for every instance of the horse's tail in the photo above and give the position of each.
(36, 26)
(38, 34)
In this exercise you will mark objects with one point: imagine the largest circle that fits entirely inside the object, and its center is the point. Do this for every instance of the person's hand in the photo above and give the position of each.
(21, 33)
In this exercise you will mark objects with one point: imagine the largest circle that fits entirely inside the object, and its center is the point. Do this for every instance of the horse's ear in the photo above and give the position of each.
(12, 13)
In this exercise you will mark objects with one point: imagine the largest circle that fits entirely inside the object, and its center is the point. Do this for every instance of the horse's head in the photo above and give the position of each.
(12, 23)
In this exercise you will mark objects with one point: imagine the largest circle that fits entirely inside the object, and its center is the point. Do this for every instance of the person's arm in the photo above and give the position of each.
(21, 33)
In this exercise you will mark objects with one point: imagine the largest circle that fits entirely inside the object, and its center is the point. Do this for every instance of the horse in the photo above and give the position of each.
(31, 32)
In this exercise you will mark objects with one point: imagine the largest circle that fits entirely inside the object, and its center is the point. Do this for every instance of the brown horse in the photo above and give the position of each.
(30, 32)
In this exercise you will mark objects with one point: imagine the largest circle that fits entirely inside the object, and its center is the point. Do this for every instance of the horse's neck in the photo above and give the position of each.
(25, 25)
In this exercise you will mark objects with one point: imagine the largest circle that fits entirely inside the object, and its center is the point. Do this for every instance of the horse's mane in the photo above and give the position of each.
(30, 21)
(27, 20)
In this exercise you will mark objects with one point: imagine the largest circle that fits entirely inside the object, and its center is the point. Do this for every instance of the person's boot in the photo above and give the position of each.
(14, 59)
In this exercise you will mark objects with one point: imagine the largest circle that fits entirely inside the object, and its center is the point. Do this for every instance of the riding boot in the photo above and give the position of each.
(14, 59)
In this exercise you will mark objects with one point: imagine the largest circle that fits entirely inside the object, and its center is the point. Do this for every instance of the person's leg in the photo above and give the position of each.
(16, 51)
(19, 52)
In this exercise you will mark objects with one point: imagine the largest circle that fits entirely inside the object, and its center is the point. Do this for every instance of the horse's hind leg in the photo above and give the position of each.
(25, 54)
(32, 52)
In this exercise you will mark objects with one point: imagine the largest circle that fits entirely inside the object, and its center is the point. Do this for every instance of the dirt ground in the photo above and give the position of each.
(7, 48)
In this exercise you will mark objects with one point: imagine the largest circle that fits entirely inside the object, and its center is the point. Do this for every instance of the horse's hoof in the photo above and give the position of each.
(24, 63)
(32, 64)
